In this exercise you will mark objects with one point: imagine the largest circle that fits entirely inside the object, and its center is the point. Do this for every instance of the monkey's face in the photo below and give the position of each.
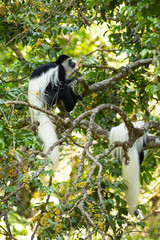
(68, 65)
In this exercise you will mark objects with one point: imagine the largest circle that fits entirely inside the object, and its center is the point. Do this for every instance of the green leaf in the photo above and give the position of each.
(52, 54)
(145, 177)
(2, 144)
(143, 209)
(110, 201)
(144, 52)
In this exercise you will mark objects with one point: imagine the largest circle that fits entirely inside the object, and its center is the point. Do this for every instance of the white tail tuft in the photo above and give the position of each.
(46, 130)
(131, 171)
(47, 133)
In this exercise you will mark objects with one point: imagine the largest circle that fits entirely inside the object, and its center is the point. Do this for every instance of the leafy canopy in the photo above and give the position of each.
(116, 46)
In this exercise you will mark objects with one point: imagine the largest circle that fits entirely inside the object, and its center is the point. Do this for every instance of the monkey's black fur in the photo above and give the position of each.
(54, 93)
(63, 92)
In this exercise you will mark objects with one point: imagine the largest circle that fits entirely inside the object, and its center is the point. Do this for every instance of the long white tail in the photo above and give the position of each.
(46, 130)
(131, 171)
(47, 134)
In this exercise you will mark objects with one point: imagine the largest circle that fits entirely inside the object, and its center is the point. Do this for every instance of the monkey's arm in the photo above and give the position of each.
(68, 81)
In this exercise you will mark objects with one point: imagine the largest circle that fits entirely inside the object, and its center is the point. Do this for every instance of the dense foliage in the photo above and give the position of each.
(116, 46)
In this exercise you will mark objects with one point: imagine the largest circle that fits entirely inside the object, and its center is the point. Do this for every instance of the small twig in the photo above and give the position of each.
(98, 66)
(8, 227)
(154, 212)
(34, 233)
(85, 20)
(101, 50)
(16, 80)
(86, 216)
(50, 184)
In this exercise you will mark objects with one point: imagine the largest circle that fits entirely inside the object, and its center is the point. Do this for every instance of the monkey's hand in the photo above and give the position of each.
(73, 79)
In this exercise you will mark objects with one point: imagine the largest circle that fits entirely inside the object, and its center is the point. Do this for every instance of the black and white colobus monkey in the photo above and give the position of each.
(136, 156)
(48, 85)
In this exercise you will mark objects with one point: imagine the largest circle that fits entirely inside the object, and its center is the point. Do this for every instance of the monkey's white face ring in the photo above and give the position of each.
(68, 65)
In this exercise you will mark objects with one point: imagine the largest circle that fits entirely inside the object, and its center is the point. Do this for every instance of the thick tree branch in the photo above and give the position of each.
(18, 53)
(98, 130)
(124, 71)
(35, 107)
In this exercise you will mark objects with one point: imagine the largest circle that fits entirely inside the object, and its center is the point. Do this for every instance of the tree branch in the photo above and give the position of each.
(124, 71)
(18, 53)
(98, 66)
